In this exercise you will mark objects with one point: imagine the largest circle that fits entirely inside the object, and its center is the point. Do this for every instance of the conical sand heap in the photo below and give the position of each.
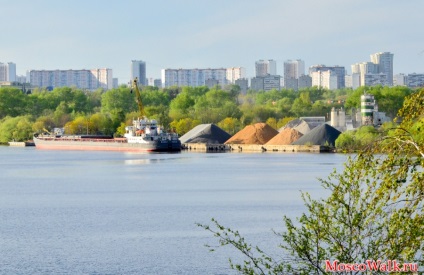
(285, 137)
(259, 133)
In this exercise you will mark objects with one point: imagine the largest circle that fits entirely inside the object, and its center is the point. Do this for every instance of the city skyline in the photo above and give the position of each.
(50, 35)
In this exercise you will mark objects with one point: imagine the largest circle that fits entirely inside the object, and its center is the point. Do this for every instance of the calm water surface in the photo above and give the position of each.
(70, 212)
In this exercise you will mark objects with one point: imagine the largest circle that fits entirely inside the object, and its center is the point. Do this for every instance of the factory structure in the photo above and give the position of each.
(367, 115)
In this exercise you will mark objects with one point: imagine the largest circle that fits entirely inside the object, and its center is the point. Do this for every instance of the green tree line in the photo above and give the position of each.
(106, 112)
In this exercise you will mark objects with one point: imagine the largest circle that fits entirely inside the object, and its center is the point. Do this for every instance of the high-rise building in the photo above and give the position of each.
(7, 72)
(377, 72)
(235, 73)
(265, 67)
(82, 79)
(193, 77)
(138, 69)
(362, 69)
(384, 62)
(338, 72)
(294, 68)
(325, 79)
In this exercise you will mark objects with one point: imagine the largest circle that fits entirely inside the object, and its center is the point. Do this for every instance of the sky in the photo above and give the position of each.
(91, 34)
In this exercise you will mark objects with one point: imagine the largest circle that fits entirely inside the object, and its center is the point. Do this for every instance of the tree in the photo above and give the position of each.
(118, 100)
(302, 105)
(230, 125)
(283, 121)
(43, 122)
(375, 210)
(181, 106)
(184, 125)
(272, 122)
(80, 125)
(13, 102)
(15, 129)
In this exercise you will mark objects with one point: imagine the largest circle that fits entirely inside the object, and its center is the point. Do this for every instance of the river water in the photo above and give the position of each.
(71, 212)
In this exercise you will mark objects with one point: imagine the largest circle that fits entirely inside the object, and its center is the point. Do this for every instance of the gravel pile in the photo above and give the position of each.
(205, 133)
(259, 133)
(298, 124)
(285, 137)
(321, 135)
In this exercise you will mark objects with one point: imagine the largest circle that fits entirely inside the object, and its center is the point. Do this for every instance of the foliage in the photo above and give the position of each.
(15, 129)
(282, 122)
(43, 123)
(80, 125)
(160, 113)
(230, 125)
(12, 102)
(182, 105)
(272, 122)
(121, 130)
(184, 125)
(374, 210)
(301, 104)
(119, 100)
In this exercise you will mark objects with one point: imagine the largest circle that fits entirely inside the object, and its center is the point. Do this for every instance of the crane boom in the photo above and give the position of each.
(138, 97)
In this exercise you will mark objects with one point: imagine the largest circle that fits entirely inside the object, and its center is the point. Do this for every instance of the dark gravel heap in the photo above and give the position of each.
(319, 136)
(205, 133)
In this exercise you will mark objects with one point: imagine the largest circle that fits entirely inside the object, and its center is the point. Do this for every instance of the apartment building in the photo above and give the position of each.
(7, 72)
(381, 64)
(138, 69)
(193, 77)
(384, 63)
(235, 73)
(293, 70)
(82, 79)
(265, 67)
(327, 79)
(415, 80)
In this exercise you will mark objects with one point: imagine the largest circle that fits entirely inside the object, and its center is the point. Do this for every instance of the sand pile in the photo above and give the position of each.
(259, 133)
(205, 133)
(285, 137)
(321, 135)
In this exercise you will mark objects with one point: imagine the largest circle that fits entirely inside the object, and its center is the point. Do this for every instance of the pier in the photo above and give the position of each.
(205, 147)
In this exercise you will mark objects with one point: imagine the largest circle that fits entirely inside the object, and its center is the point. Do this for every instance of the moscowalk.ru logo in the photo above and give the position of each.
(371, 265)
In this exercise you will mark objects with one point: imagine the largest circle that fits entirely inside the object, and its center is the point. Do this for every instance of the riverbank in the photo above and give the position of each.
(205, 147)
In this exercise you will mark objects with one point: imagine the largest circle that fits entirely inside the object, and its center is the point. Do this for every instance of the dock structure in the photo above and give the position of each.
(205, 147)
(21, 143)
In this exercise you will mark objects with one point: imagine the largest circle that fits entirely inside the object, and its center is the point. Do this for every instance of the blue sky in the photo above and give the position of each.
(88, 34)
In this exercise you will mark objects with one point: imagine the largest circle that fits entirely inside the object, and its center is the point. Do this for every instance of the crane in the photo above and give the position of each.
(138, 97)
